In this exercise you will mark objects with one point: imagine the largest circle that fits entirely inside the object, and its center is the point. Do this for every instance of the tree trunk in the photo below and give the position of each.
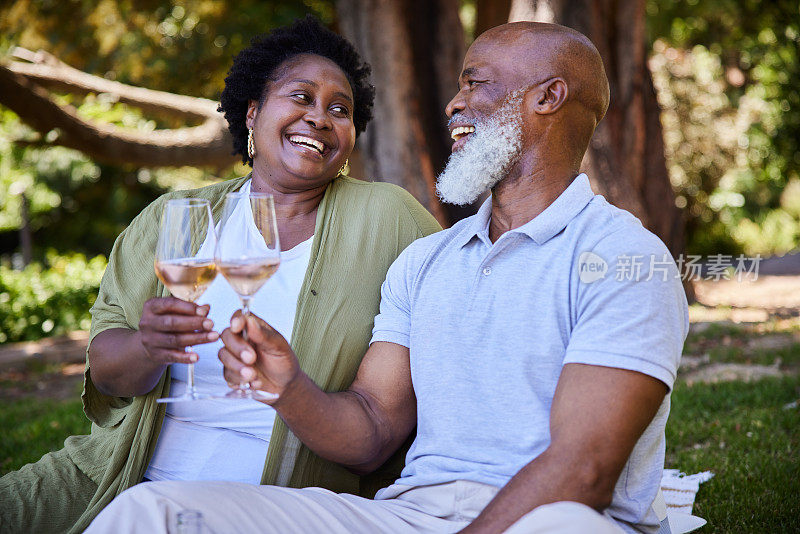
(491, 14)
(416, 48)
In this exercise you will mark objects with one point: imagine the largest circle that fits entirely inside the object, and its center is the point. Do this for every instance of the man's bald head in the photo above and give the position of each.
(541, 51)
(530, 96)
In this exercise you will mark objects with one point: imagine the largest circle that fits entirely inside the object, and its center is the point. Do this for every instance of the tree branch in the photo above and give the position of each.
(205, 145)
(49, 72)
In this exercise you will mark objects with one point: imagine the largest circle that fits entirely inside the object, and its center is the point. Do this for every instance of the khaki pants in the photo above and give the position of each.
(152, 507)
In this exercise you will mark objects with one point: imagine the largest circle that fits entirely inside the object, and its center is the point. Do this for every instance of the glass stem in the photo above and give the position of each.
(245, 314)
(190, 385)
(191, 391)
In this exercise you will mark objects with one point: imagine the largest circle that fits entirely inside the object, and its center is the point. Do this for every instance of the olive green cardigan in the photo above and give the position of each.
(361, 227)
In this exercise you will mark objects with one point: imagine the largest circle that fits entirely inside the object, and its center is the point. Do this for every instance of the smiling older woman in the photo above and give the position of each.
(295, 100)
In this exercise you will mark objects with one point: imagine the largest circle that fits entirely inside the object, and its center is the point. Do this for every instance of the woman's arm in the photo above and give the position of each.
(126, 363)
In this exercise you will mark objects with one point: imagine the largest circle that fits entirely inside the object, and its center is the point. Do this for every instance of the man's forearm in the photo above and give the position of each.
(597, 416)
(339, 427)
(545, 480)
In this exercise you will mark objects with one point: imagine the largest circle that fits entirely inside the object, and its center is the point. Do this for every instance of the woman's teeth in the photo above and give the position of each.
(307, 141)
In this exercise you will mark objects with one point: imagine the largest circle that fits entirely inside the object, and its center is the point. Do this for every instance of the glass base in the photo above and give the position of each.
(186, 397)
(247, 393)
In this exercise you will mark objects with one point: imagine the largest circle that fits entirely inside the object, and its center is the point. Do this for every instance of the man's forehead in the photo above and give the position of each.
(480, 51)
(494, 58)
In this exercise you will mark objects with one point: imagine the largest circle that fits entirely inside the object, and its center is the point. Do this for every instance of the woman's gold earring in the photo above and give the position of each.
(251, 145)
(345, 168)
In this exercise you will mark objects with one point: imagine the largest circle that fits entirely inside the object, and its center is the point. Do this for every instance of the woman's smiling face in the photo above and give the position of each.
(303, 131)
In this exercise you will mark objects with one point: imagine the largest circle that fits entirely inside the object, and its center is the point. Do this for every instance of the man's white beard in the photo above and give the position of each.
(485, 157)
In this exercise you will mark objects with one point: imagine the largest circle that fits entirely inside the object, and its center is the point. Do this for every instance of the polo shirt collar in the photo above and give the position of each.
(544, 226)
(478, 225)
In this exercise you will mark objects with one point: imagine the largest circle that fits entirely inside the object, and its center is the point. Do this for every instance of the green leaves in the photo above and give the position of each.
(41, 301)
(727, 72)
(177, 46)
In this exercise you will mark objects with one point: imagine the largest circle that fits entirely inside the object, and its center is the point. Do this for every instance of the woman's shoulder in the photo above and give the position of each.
(369, 188)
(385, 200)
(214, 193)
(210, 192)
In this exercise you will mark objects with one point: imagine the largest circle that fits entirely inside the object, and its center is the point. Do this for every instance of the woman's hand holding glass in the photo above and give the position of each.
(259, 355)
(169, 325)
(184, 262)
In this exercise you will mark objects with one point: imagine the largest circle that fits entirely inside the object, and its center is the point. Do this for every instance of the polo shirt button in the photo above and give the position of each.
(487, 271)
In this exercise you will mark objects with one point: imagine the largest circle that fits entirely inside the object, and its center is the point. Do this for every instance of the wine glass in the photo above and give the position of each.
(184, 261)
(247, 255)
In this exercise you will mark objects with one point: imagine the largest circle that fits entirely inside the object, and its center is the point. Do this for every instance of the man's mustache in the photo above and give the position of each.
(458, 117)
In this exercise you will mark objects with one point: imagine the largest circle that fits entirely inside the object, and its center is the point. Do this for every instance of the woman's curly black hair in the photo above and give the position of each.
(255, 66)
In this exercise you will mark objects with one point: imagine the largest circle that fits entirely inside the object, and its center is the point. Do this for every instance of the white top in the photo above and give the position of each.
(224, 439)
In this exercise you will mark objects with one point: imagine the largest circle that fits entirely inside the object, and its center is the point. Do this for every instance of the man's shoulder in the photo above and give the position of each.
(427, 252)
(612, 230)
(433, 249)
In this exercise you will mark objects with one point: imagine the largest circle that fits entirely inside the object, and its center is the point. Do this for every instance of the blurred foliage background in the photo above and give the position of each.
(726, 72)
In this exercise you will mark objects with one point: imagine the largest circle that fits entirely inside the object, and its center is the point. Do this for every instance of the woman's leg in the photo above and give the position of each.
(46, 496)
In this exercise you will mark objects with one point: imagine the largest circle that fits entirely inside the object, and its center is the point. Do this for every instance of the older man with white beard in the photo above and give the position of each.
(538, 382)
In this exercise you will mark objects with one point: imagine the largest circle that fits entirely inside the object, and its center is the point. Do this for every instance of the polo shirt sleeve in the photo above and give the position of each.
(393, 322)
(636, 316)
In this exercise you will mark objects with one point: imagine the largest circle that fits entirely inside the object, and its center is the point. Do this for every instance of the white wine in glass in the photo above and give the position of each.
(248, 254)
(184, 261)
(247, 276)
(186, 279)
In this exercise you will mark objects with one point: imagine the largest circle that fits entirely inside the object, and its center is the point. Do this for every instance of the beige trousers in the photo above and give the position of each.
(229, 507)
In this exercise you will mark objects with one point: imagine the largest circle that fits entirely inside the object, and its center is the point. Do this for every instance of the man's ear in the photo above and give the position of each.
(549, 96)
(252, 111)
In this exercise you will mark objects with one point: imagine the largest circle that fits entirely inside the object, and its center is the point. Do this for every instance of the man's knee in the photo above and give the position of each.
(145, 496)
(564, 517)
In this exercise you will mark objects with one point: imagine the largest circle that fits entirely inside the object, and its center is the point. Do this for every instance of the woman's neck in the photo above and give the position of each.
(295, 211)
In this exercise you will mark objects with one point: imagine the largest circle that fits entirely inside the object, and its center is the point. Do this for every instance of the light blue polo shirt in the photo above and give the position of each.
(489, 327)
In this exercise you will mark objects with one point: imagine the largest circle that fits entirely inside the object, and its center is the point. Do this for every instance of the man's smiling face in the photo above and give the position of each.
(482, 89)
(485, 124)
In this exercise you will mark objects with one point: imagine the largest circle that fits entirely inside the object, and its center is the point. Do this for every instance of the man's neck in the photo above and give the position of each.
(518, 200)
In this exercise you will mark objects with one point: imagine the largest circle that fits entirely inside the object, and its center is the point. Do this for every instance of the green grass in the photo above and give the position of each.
(743, 434)
(33, 427)
(739, 431)
(789, 356)
(738, 343)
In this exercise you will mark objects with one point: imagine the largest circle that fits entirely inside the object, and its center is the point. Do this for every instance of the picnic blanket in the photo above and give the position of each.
(680, 490)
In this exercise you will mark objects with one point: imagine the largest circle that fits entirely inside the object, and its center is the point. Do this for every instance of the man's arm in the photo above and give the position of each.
(358, 428)
(598, 414)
